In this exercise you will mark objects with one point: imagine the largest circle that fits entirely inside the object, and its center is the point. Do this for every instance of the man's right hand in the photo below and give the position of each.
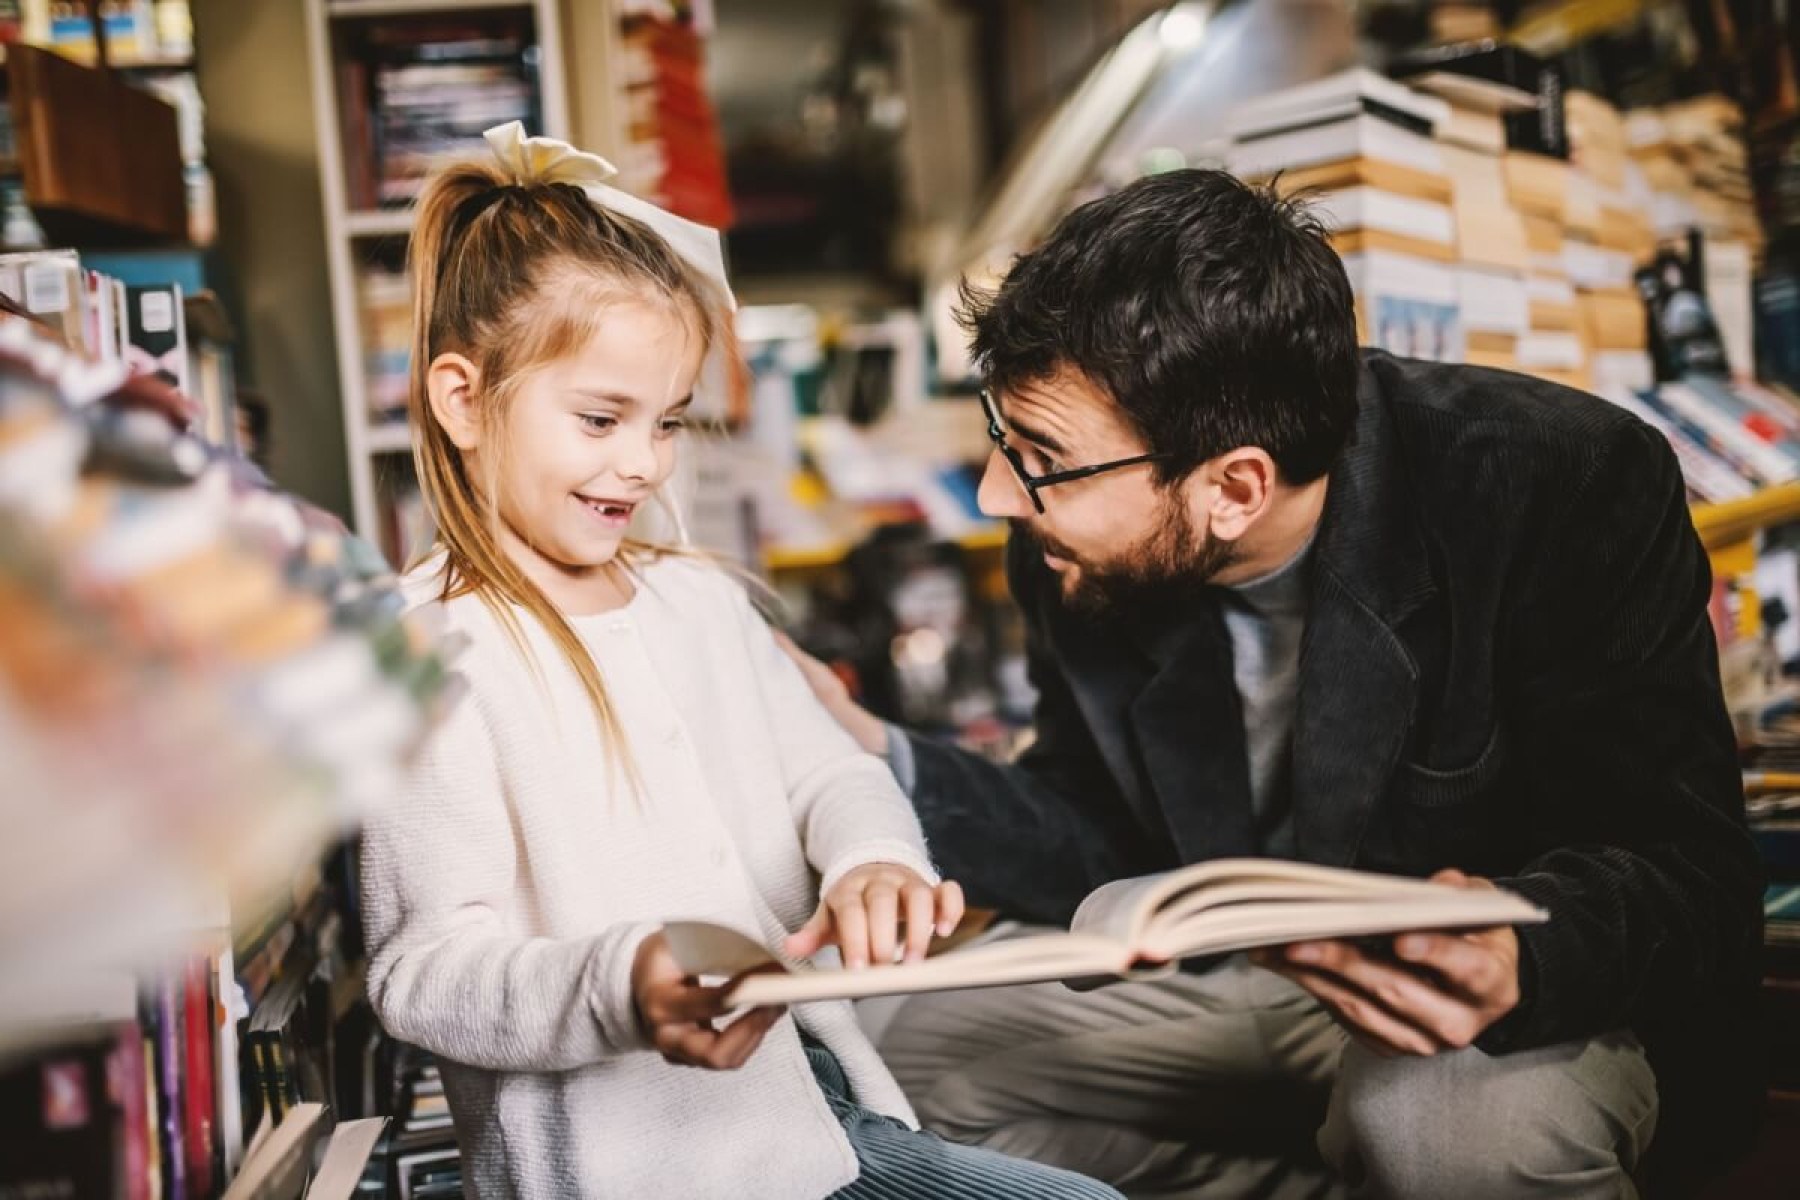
(857, 721)
(677, 1013)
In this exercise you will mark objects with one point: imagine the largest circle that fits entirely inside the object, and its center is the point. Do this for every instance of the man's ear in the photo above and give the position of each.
(452, 384)
(1244, 483)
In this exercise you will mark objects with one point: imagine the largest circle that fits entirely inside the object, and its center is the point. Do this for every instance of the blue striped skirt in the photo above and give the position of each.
(905, 1164)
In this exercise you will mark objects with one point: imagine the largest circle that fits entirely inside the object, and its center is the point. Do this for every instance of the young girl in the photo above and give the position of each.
(634, 748)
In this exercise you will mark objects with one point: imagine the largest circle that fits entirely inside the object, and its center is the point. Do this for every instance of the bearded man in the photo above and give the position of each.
(1287, 598)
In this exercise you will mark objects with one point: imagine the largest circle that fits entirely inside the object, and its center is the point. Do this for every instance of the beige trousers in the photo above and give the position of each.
(1236, 1083)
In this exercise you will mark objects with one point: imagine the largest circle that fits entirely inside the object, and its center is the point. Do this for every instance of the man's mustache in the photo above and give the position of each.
(1044, 542)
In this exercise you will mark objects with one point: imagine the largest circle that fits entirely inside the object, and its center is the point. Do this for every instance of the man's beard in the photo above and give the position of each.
(1171, 560)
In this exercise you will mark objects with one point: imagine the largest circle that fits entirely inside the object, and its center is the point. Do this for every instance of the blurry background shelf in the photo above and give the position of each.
(397, 223)
(391, 8)
(390, 439)
(1721, 525)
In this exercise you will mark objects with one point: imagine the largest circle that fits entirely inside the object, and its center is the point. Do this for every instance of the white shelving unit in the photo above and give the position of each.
(347, 233)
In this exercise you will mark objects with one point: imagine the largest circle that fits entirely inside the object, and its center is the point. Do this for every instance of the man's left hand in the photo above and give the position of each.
(1440, 991)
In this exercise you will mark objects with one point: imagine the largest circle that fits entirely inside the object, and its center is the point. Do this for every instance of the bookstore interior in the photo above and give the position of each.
(209, 487)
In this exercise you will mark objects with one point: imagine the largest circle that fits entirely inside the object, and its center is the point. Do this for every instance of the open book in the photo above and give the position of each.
(1129, 929)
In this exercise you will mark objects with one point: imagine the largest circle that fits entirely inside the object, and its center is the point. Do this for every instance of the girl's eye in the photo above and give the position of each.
(674, 425)
(598, 422)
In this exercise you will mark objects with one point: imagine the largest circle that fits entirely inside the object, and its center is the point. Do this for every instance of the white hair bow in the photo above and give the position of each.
(547, 160)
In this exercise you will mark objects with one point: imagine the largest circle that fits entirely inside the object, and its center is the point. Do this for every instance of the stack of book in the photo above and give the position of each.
(1507, 147)
(1493, 264)
(1362, 148)
(1610, 236)
(411, 92)
(1694, 157)
(674, 154)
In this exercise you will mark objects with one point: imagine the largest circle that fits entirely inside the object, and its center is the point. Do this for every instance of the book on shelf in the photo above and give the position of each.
(1361, 172)
(1331, 101)
(1354, 137)
(1486, 75)
(1366, 218)
(412, 90)
(1473, 130)
(1406, 305)
(1492, 302)
(1128, 929)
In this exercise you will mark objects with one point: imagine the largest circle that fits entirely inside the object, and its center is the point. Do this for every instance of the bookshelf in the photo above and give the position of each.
(203, 685)
(364, 239)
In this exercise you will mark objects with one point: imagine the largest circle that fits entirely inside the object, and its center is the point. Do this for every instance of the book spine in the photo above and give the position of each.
(197, 1128)
(134, 1102)
(169, 1099)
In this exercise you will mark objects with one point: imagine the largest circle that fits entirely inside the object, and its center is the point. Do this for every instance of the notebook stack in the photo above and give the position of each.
(1362, 148)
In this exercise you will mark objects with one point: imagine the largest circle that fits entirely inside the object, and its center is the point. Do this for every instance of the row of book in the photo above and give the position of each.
(151, 329)
(412, 90)
(135, 30)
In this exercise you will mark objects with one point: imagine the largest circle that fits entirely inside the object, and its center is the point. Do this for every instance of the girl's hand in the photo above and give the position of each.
(862, 911)
(678, 1013)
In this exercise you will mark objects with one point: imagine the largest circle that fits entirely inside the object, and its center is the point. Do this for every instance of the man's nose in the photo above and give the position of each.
(1001, 495)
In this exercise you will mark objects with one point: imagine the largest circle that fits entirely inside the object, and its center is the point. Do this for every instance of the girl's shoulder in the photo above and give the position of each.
(686, 582)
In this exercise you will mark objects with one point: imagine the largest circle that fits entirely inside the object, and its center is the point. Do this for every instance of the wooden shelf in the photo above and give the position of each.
(1723, 524)
(100, 158)
(395, 223)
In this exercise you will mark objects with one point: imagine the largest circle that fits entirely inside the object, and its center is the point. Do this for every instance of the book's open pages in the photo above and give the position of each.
(1131, 928)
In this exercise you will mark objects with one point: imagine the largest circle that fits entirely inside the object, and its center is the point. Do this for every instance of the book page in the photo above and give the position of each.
(1264, 922)
(1124, 909)
(1051, 956)
(713, 951)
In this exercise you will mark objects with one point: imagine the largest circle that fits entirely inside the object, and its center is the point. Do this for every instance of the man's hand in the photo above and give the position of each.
(862, 912)
(857, 721)
(678, 1013)
(1441, 994)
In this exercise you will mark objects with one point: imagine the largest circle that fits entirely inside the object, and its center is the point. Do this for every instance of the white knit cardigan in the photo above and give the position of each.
(508, 888)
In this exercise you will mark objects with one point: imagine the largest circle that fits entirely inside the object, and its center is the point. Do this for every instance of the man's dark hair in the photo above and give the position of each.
(1216, 314)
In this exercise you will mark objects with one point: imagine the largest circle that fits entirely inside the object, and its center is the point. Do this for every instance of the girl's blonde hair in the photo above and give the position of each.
(514, 275)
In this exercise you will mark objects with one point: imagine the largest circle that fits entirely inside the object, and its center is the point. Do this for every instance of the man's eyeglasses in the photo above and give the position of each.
(1031, 483)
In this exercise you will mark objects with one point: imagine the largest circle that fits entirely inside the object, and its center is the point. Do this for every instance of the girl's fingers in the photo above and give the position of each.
(811, 937)
(882, 903)
(949, 907)
(852, 929)
(921, 905)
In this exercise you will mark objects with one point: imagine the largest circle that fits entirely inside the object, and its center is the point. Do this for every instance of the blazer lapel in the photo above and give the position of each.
(1359, 683)
(1190, 734)
(1357, 690)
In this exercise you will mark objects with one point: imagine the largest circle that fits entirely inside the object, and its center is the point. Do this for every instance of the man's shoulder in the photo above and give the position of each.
(1474, 432)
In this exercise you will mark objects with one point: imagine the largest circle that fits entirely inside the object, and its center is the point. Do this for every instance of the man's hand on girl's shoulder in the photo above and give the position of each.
(862, 913)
